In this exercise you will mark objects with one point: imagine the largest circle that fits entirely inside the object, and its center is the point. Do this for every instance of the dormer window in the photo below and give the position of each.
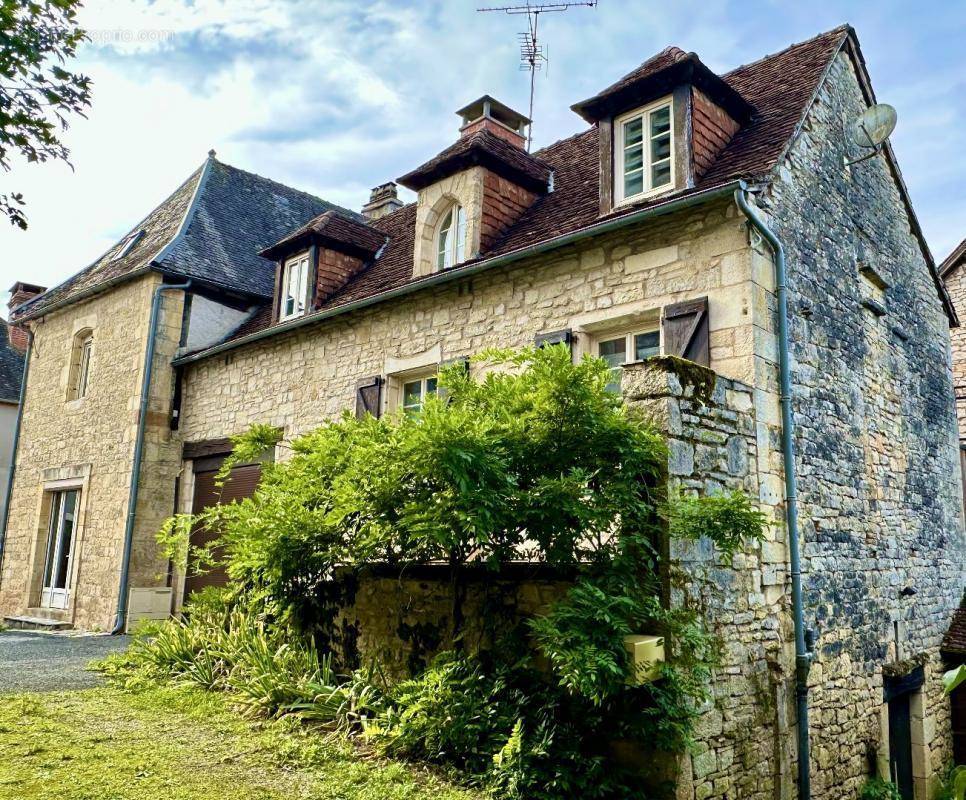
(295, 285)
(451, 238)
(643, 159)
(127, 245)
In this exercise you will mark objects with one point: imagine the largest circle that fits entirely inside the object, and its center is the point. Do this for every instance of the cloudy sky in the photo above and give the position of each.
(336, 96)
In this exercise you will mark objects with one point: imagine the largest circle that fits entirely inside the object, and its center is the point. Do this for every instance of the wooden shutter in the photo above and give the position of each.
(686, 331)
(369, 396)
(554, 337)
(461, 361)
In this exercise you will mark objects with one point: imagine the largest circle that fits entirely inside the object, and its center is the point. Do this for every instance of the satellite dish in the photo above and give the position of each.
(874, 125)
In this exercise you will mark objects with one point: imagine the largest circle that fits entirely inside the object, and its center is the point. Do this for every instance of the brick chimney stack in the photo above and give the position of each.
(488, 114)
(383, 200)
(20, 293)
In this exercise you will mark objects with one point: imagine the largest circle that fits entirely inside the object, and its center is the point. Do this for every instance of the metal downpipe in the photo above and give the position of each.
(16, 443)
(132, 498)
(803, 654)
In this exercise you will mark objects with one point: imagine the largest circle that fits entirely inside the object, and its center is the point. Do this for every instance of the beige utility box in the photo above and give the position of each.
(647, 655)
(148, 604)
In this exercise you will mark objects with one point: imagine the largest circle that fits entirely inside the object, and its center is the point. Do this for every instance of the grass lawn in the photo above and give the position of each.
(182, 744)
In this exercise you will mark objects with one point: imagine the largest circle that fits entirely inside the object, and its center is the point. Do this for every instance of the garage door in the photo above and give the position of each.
(241, 484)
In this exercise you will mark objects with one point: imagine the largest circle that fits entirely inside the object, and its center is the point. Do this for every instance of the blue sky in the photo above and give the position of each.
(336, 96)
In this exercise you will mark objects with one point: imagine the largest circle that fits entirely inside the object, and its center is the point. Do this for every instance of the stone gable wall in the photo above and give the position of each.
(91, 441)
(876, 444)
(955, 281)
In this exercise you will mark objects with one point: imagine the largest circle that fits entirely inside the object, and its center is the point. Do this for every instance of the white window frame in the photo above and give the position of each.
(619, 123)
(454, 251)
(54, 595)
(423, 379)
(81, 356)
(127, 245)
(299, 293)
(628, 335)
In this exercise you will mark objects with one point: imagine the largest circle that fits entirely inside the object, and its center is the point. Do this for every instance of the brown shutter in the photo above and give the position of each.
(461, 361)
(554, 337)
(686, 331)
(369, 396)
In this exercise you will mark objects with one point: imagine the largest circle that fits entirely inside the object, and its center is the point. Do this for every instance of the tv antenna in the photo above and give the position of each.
(532, 54)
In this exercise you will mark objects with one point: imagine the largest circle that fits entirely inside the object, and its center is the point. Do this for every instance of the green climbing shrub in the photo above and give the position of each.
(536, 460)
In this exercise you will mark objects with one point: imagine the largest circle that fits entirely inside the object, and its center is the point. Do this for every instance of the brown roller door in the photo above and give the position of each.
(241, 484)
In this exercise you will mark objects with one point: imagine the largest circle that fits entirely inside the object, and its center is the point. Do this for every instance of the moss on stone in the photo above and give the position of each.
(699, 379)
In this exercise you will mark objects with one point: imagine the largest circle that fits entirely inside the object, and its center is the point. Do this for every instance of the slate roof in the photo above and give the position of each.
(211, 228)
(779, 87)
(11, 367)
(954, 642)
(335, 230)
(485, 149)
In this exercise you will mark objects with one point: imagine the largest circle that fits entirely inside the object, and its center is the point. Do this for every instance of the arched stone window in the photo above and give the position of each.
(80, 364)
(451, 237)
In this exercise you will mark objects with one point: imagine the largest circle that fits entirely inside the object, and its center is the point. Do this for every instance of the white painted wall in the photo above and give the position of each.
(210, 322)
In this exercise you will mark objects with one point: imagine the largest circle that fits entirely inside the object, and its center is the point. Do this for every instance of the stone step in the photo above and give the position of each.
(36, 624)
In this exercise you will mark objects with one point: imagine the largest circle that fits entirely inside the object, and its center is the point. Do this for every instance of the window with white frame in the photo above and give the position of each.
(80, 365)
(643, 152)
(415, 390)
(451, 238)
(127, 245)
(623, 348)
(295, 287)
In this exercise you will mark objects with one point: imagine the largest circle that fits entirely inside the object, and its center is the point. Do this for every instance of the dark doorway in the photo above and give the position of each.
(900, 745)
(241, 484)
(898, 691)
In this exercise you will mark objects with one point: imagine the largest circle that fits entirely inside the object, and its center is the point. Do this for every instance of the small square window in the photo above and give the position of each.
(614, 349)
(415, 392)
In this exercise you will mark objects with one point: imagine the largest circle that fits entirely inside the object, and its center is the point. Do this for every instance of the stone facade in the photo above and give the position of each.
(874, 432)
(88, 443)
(955, 281)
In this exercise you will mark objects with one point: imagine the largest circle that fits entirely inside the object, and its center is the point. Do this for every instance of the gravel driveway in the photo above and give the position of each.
(47, 662)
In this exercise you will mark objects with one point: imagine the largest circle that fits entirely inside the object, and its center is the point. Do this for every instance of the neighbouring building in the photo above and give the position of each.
(241, 301)
(13, 346)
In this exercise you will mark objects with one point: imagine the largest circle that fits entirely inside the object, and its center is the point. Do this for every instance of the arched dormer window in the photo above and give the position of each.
(80, 364)
(451, 238)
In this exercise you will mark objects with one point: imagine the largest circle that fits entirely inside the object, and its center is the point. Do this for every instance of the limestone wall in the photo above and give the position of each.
(955, 281)
(89, 443)
(297, 380)
(711, 426)
(876, 442)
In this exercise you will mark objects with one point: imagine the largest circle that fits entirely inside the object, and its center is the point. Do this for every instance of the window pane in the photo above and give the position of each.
(633, 132)
(613, 351)
(412, 395)
(52, 536)
(661, 174)
(83, 369)
(443, 242)
(431, 386)
(661, 121)
(460, 235)
(660, 149)
(634, 183)
(66, 538)
(647, 345)
(633, 159)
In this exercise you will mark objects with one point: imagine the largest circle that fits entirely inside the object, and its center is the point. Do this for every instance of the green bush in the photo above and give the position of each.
(536, 460)
(878, 789)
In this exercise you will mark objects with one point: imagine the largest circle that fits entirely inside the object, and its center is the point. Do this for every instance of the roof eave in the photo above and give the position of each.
(668, 206)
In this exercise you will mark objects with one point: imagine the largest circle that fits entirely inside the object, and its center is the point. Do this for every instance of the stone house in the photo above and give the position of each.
(658, 230)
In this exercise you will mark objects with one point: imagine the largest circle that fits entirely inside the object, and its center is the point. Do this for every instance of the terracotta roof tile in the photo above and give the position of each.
(780, 88)
(332, 228)
(954, 642)
(484, 149)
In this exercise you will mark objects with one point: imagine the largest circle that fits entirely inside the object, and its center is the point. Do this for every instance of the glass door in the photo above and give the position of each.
(60, 548)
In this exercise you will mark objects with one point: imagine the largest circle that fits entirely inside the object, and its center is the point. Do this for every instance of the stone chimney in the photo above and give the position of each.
(383, 200)
(500, 120)
(20, 293)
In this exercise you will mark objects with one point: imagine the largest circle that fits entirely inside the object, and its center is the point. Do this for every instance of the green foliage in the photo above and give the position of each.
(878, 789)
(953, 678)
(537, 460)
(36, 93)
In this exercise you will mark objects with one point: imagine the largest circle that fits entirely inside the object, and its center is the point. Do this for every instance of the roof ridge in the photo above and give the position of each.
(845, 28)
